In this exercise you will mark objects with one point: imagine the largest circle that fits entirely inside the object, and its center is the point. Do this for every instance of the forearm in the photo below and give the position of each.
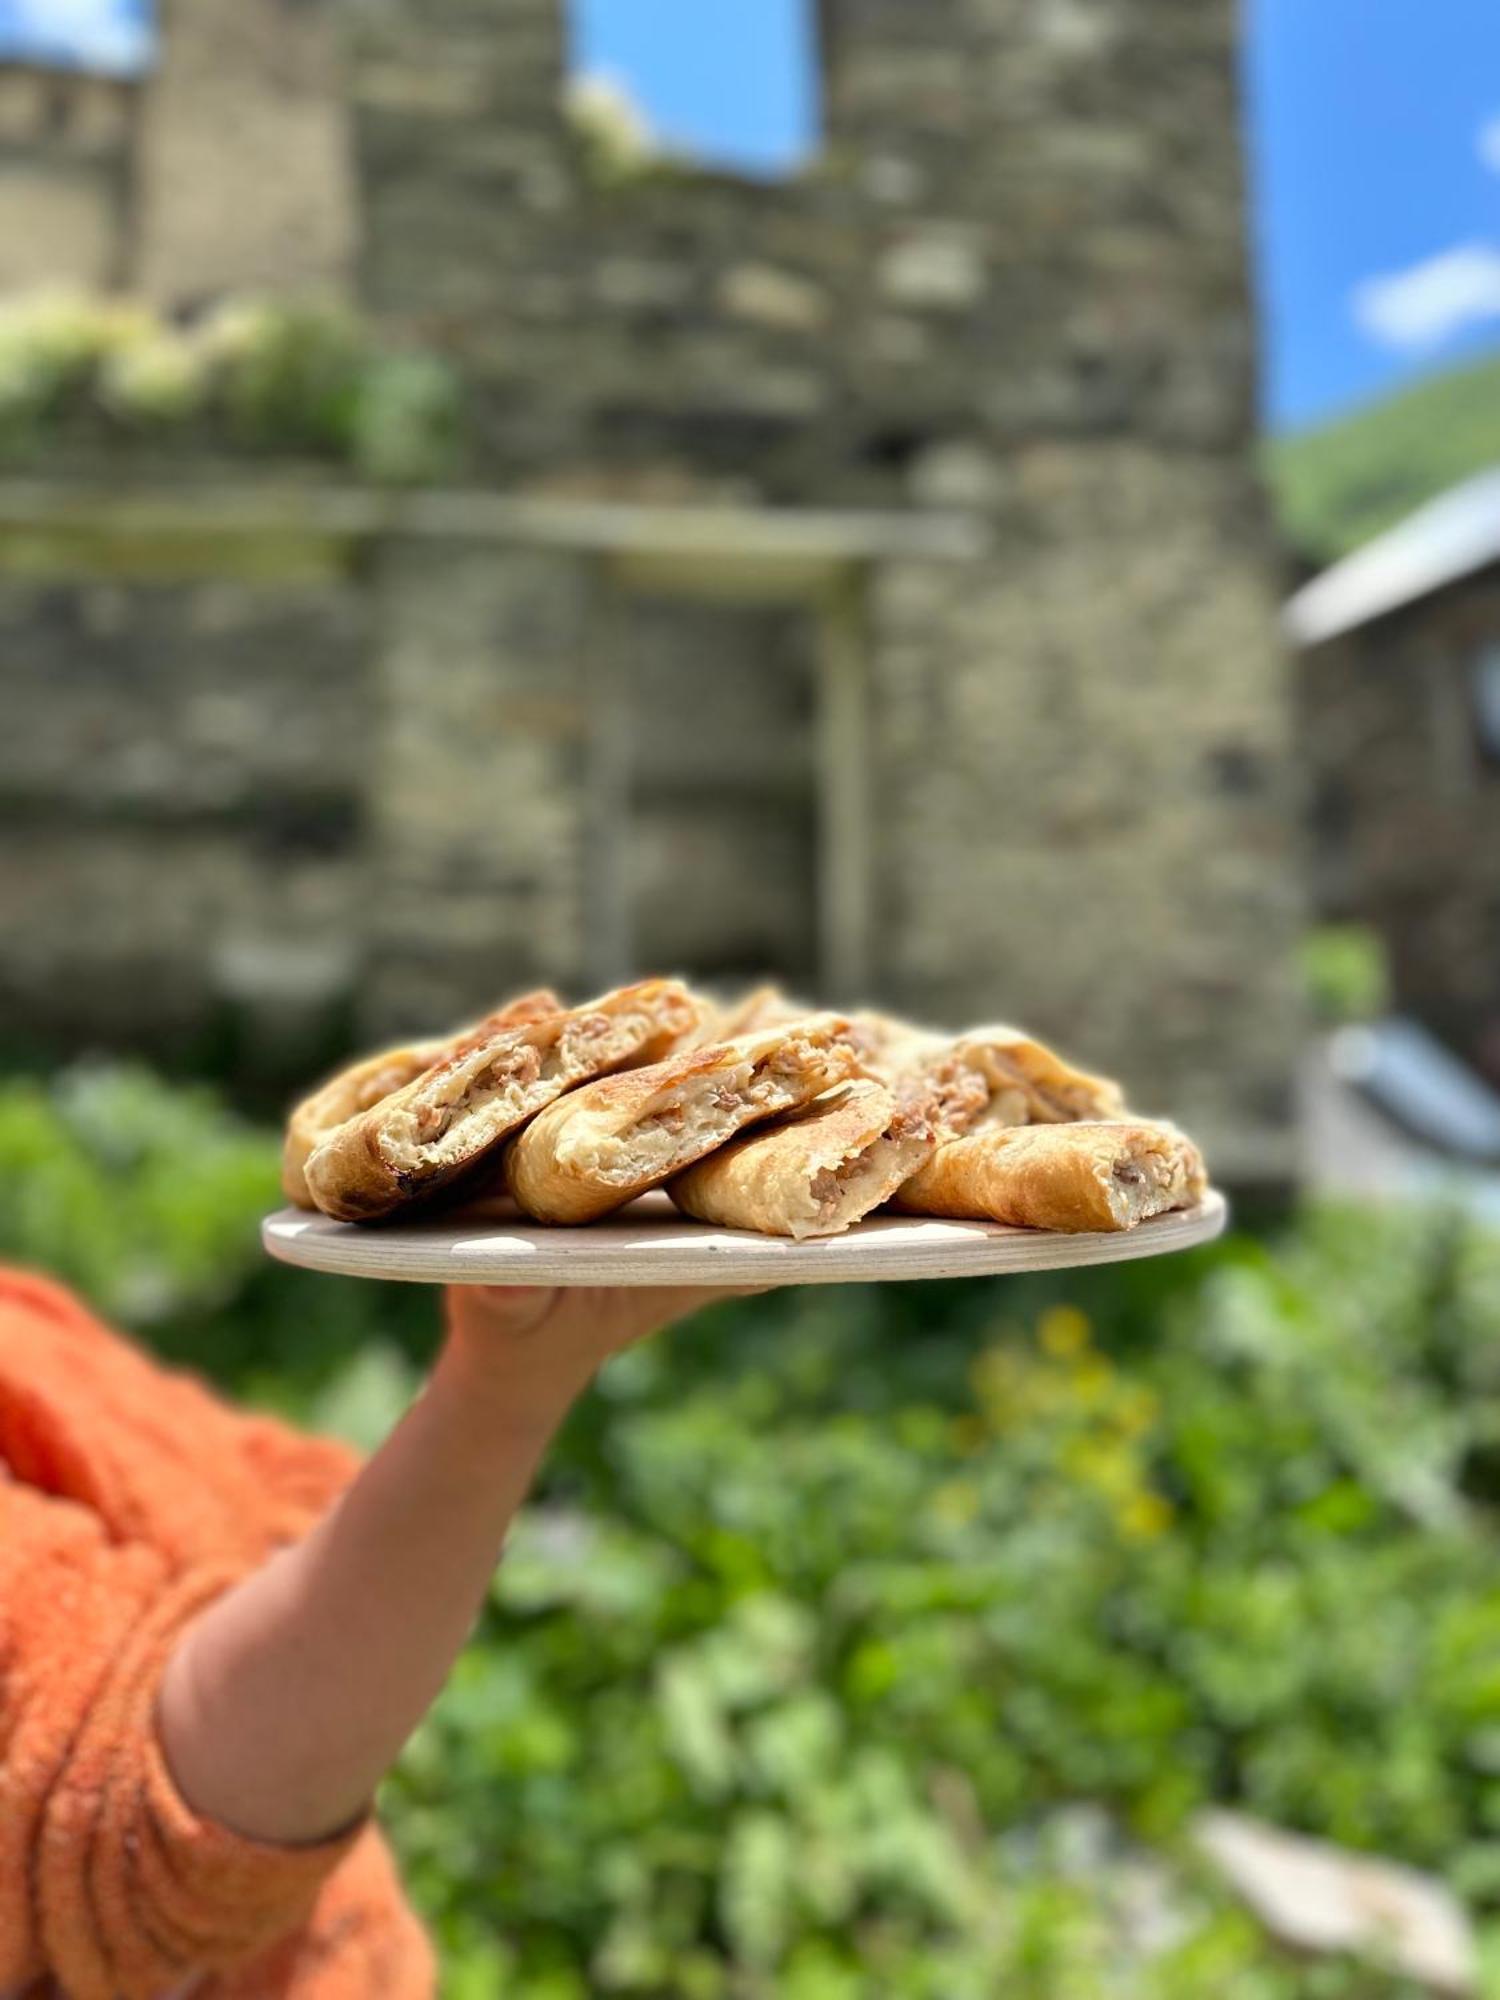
(290, 1698)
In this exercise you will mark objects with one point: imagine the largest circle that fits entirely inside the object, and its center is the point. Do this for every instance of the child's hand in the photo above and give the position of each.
(563, 1331)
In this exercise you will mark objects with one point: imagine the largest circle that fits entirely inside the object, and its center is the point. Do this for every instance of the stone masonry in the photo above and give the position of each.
(1405, 798)
(1011, 285)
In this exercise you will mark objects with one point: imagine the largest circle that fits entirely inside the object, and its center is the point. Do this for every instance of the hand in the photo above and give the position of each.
(563, 1334)
(286, 1700)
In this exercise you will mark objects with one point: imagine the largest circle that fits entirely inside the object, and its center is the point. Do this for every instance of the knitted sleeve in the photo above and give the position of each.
(129, 1499)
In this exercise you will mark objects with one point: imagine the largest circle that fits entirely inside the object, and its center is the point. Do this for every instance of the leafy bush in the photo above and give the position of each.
(834, 1606)
(92, 1189)
(1346, 972)
(251, 375)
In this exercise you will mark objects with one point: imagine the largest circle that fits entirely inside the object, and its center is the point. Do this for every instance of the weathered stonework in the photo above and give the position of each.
(63, 160)
(1016, 228)
(1405, 804)
(244, 176)
(1051, 784)
(1085, 778)
(182, 801)
(478, 798)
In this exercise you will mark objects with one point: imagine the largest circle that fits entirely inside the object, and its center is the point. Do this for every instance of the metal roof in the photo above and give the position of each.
(1422, 1085)
(1451, 537)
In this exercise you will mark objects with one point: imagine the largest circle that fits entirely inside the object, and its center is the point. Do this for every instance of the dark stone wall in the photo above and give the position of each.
(183, 814)
(1405, 802)
(64, 178)
(1025, 221)
(1011, 283)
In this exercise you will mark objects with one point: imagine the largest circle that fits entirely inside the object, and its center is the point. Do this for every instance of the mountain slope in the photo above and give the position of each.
(1336, 486)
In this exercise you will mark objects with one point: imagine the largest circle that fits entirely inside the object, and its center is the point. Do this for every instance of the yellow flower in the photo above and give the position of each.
(956, 1503)
(998, 1379)
(968, 1435)
(1136, 1410)
(1144, 1516)
(1095, 1463)
(1064, 1332)
(1091, 1378)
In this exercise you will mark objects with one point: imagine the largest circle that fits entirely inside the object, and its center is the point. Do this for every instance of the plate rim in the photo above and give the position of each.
(491, 1249)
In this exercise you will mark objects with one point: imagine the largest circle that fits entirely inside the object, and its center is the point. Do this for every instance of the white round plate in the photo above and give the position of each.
(649, 1243)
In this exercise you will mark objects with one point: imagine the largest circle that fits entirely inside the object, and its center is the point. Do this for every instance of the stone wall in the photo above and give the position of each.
(1406, 806)
(243, 166)
(1087, 812)
(1026, 220)
(573, 786)
(290, 808)
(1012, 283)
(479, 792)
(64, 158)
(182, 794)
(227, 168)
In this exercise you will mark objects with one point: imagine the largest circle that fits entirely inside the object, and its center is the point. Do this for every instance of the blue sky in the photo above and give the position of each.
(729, 80)
(112, 36)
(1374, 130)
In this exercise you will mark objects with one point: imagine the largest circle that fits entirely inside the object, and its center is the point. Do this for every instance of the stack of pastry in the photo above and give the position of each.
(760, 1115)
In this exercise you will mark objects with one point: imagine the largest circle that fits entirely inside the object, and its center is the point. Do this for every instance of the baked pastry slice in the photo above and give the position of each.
(1052, 1090)
(762, 1007)
(1092, 1175)
(1026, 1083)
(601, 1146)
(451, 1118)
(364, 1083)
(815, 1172)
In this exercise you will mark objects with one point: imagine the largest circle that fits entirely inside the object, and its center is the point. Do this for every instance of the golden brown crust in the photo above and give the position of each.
(762, 1007)
(1054, 1090)
(1106, 1176)
(446, 1122)
(600, 1147)
(1026, 1082)
(815, 1172)
(894, 1046)
(362, 1085)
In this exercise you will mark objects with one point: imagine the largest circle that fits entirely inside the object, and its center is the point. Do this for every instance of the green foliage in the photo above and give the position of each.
(834, 1606)
(1345, 972)
(292, 379)
(1341, 484)
(252, 376)
(93, 1190)
(406, 418)
(803, 1629)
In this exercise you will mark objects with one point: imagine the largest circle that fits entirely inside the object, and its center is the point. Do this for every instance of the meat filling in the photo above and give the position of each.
(691, 1120)
(489, 1085)
(695, 1116)
(1144, 1186)
(841, 1194)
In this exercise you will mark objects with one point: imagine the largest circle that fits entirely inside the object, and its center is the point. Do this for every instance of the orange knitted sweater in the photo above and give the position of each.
(129, 1497)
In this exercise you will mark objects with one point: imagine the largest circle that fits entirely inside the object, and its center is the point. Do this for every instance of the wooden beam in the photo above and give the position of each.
(744, 554)
(846, 825)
